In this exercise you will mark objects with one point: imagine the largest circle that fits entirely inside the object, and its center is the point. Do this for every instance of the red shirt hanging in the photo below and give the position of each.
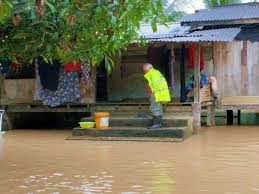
(71, 67)
(191, 57)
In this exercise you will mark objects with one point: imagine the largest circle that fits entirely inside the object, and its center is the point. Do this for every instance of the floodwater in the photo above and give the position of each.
(222, 160)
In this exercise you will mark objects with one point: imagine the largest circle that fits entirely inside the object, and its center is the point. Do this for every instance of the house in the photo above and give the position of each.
(227, 36)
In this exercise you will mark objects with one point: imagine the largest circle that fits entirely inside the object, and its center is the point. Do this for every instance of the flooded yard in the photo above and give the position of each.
(221, 160)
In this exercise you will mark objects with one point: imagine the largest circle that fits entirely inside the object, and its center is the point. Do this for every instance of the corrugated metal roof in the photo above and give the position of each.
(146, 28)
(222, 13)
(215, 35)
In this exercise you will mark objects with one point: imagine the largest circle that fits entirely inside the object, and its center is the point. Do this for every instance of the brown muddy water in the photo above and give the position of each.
(222, 160)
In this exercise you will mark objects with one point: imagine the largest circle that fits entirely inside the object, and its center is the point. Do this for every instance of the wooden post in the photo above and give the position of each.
(230, 117)
(197, 76)
(196, 107)
(211, 115)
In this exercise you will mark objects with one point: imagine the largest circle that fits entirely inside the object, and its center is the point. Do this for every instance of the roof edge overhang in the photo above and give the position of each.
(221, 22)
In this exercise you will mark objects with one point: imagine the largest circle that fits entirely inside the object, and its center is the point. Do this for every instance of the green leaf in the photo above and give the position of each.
(52, 8)
(64, 12)
(154, 26)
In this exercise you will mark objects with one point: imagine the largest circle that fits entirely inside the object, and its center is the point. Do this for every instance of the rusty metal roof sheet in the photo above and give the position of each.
(215, 35)
(222, 13)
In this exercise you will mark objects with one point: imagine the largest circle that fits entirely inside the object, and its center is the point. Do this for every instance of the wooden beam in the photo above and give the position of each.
(239, 107)
(239, 100)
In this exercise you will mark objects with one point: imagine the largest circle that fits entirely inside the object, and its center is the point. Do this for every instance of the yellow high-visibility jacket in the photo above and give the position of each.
(158, 85)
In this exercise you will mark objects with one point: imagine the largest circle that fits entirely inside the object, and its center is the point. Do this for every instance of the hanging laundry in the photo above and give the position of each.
(86, 84)
(201, 58)
(68, 90)
(86, 72)
(71, 67)
(182, 73)
(4, 66)
(192, 55)
(171, 66)
(49, 74)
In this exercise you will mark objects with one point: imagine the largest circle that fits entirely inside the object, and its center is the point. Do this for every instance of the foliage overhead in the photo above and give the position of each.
(212, 3)
(5, 10)
(89, 30)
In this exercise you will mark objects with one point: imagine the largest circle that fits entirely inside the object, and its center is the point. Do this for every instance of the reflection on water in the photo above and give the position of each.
(219, 160)
(75, 184)
(1, 145)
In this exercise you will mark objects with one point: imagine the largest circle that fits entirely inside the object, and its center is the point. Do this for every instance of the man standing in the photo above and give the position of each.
(159, 93)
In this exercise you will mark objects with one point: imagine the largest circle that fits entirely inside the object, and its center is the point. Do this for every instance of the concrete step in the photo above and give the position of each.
(131, 113)
(144, 122)
(135, 139)
(131, 132)
(168, 121)
(140, 108)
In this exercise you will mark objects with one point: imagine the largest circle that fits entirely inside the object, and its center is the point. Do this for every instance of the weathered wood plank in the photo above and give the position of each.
(236, 67)
(20, 90)
(240, 100)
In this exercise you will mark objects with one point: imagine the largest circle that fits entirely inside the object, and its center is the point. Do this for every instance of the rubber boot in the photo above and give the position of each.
(157, 122)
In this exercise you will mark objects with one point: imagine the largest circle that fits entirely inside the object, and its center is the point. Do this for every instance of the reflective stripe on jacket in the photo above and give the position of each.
(158, 85)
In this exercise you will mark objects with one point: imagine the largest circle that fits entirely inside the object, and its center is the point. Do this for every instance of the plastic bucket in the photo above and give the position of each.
(101, 120)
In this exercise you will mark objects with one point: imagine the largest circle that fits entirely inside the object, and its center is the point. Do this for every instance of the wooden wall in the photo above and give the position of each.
(17, 90)
(236, 67)
(21, 91)
(127, 82)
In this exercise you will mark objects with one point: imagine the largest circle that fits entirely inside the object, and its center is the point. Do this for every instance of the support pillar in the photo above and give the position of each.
(196, 112)
(211, 116)
(239, 117)
(230, 117)
(196, 106)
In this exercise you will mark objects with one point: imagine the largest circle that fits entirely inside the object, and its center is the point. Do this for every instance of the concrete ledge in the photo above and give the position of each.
(134, 139)
(125, 131)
